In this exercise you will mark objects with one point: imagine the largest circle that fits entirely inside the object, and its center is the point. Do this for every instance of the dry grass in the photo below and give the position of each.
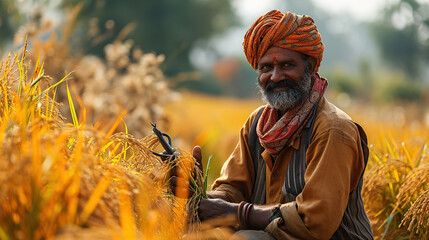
(413, 185)
(417, 215)
(397, 176)
(66, 181)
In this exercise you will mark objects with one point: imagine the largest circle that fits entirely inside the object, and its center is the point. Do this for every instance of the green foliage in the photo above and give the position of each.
(9, 20)
(205, 84)
(343, 82)
(402, 90)
(243, 83)
(402, 36)
(206, 177)
(376, 85)
(163, 26)
(357, 86)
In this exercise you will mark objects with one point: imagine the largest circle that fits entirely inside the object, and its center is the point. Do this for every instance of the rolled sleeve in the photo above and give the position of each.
(290, 226)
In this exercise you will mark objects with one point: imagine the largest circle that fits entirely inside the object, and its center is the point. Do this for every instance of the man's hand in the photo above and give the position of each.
(213, 208)
(180, 185)
(196, 153)
(257, 219)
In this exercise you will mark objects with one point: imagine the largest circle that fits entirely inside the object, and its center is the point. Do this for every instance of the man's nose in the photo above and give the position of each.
(277, 74)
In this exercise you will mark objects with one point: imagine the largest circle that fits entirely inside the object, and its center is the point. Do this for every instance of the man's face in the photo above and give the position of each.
(284, 79)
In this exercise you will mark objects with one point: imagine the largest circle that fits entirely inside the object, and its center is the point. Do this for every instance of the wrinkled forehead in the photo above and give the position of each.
(275, 53)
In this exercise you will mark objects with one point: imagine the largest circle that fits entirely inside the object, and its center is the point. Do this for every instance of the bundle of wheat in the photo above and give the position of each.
(416, 216)
(397, 179)
(61, 180)
(414, 196)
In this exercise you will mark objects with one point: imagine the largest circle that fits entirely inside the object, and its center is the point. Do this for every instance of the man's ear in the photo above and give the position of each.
(312, 65)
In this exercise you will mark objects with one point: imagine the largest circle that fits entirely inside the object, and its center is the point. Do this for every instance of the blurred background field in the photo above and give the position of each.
(180, 64)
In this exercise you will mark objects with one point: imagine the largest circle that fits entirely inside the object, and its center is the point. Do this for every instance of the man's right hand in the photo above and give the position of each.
(196, 153)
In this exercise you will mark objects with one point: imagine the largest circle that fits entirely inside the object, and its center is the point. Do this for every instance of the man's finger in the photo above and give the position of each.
(196, 153)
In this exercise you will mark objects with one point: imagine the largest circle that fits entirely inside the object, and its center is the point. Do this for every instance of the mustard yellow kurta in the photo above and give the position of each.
(335, 163)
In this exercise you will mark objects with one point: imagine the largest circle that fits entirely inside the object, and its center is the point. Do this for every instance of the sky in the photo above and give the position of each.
(359, 9)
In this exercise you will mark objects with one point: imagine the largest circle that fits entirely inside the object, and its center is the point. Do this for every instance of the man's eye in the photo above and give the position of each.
(264, 68)
(287, 65)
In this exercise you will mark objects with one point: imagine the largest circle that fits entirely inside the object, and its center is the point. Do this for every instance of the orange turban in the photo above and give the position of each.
(289, 30)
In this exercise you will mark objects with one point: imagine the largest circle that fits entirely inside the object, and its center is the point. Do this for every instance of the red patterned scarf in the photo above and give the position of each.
(274, 133)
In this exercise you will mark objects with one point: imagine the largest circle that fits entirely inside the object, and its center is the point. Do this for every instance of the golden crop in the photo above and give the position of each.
(65, 181)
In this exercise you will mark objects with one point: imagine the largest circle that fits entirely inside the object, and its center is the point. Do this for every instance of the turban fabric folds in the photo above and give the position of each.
(288, 30)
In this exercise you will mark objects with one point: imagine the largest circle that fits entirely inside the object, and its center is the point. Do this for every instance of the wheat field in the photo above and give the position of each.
(70, 179)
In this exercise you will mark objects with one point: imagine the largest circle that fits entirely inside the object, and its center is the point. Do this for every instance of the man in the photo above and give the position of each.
(297, 170)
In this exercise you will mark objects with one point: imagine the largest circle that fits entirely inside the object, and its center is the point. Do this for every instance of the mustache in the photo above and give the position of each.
(284, 83)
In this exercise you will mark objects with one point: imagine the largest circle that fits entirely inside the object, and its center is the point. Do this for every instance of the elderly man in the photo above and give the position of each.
(297, 170)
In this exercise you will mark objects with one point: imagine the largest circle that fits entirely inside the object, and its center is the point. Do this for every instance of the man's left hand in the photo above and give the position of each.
(213, 208)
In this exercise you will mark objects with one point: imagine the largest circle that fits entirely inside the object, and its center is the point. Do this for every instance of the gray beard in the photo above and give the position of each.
(286, 100)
